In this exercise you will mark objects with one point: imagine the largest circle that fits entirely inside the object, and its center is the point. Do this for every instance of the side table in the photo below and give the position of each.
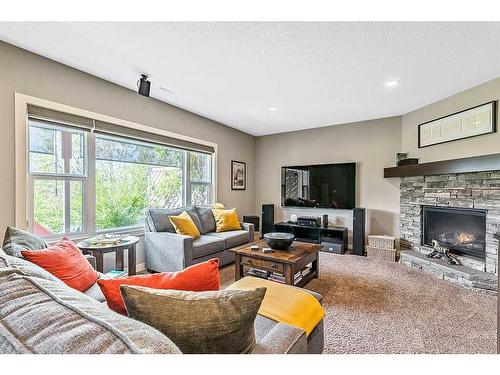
(98, 251)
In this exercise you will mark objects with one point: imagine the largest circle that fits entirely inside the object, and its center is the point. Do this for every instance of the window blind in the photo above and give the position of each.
(113, 129)
(50, 115)
(103, 127)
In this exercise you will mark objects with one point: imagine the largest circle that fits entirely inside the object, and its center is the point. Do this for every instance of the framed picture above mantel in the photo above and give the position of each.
(238, 175)
(471, 122)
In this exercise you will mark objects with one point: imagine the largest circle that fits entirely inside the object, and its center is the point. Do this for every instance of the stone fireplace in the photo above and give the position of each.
(462, 230)
(460, 211)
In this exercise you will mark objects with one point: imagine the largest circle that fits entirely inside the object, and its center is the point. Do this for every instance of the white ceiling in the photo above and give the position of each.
(315, 74)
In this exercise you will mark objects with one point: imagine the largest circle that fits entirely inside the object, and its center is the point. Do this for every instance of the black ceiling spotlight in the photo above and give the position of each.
(144, 85)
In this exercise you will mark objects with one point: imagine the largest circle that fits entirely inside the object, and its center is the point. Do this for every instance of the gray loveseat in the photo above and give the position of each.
(167, 251)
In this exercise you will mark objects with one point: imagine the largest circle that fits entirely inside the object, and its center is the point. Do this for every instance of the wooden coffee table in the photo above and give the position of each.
(287, 262)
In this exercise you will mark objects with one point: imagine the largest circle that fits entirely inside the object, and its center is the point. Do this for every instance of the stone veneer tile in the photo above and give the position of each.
(479, 190)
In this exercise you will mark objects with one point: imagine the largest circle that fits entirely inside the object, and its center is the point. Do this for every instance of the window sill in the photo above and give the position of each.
(138, 231)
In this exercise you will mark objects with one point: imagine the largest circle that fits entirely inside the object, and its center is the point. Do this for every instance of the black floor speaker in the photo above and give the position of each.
(251, 219)
(358, 231)
(267, 218)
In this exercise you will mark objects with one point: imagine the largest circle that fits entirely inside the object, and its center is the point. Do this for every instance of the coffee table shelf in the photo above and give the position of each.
(285, 262)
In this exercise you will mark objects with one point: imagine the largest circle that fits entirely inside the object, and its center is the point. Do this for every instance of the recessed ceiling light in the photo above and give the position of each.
(392, 83)
(273, 108)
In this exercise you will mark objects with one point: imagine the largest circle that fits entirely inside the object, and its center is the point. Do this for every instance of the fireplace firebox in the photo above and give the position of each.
(462, 230)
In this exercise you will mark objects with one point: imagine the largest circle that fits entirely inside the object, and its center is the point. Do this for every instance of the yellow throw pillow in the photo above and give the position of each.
(183, 224)
(226, 220)
(218, 206)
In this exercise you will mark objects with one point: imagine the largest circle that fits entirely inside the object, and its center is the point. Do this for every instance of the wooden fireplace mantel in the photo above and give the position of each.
(464, 165)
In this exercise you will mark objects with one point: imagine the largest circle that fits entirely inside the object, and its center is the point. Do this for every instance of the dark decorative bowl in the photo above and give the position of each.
(278, 241)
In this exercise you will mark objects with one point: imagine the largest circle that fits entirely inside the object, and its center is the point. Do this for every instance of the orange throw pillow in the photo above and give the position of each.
(66, 262)
(200, 277)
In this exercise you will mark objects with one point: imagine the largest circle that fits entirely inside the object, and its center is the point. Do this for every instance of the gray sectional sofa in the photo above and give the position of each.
(167, 251)
(40, 314)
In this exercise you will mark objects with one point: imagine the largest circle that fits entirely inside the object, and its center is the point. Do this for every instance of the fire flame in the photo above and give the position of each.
(465, 237)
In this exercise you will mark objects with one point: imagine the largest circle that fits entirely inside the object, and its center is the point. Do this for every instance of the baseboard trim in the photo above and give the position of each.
(141, 267)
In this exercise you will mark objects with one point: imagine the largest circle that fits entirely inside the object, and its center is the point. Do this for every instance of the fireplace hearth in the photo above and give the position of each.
(461, 230)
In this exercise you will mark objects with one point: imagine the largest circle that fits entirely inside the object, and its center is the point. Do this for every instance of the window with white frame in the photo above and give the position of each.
(83, 183)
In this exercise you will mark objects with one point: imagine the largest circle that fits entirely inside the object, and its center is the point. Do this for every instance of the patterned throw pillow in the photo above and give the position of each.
(17, 240)
(219, 322)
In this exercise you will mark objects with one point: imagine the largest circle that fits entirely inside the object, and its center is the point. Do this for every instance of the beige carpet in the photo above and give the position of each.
(374, 307)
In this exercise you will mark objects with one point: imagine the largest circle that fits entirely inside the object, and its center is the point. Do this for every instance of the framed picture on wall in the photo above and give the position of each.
(238, 175)
(478, 120)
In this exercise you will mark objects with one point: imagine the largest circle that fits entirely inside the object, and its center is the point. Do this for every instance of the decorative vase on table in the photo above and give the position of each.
(278, 240)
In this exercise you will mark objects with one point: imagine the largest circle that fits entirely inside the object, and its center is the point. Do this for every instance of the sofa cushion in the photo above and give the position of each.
(159, 218)
(226, 220)
(95, 291)
(184, 225)
(198, 277)
(232, 238)
(16, 240)
(66, 262)
(26, 267)
(207, 245)
(62, 320)
(207, 219)
(204, 322)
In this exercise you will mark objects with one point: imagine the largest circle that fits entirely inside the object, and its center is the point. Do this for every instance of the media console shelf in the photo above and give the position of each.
(332, 239)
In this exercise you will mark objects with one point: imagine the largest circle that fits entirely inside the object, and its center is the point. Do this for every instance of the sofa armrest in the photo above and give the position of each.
(250, 228)
(282, 339)
(91, 260)
(168, 252)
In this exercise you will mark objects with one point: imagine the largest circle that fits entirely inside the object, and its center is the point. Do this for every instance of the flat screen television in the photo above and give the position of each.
(320, 186)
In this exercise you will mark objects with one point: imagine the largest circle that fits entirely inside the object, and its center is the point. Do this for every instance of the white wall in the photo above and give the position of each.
(371, 144)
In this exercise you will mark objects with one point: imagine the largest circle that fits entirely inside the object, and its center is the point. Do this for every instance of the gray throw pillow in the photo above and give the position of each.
(161, 223)
(219, 322)
(207, 219)
(16, 240)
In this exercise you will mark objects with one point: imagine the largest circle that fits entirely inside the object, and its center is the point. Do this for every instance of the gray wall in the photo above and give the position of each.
(27, 73)
(371, 144)
(480, 145)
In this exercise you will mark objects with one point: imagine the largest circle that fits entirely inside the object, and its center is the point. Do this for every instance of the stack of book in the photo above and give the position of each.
(297, 277)
(258, 273)
(306, 271)
(279, 277)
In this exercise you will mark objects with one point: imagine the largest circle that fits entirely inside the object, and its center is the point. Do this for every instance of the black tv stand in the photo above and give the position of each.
(332, 238)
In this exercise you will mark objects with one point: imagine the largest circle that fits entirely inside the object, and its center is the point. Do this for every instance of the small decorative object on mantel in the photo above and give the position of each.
(381, 247)
(407, 161)
(400, 156)
(238, 175)
(441, 251)
(478, 120)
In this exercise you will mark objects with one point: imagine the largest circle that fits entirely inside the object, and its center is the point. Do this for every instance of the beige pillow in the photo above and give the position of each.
(198, 322)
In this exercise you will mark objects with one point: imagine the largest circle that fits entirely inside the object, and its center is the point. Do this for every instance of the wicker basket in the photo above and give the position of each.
(386, 255)
(381, 241)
